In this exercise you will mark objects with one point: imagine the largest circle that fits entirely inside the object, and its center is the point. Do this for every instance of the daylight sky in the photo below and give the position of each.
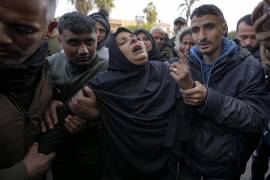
(167, 9)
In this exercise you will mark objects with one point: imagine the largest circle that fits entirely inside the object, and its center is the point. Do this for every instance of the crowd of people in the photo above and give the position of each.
(78, 101)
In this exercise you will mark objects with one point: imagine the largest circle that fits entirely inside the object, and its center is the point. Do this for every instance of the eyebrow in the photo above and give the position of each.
(80, 39)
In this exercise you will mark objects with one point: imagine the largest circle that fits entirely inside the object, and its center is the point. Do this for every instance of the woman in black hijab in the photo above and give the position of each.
(150, 44)
(141, 111)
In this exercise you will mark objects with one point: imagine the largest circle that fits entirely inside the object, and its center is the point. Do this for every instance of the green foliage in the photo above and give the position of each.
(106, 5)
(151, 13)
(186, 6)
(231, 35)
(143, 26)
(84, 6)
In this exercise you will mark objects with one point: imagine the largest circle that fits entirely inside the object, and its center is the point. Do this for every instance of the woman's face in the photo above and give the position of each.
(146, 41)
(133, 48)
(186, 44)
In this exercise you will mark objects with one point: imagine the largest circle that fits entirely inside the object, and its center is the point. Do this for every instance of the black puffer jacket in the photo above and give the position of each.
(226, 127)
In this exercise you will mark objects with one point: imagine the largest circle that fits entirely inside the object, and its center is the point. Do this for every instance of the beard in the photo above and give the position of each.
(252, 49)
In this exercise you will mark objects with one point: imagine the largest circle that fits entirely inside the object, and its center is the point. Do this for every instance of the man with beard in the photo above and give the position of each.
(228, 107)
(25, 90)
(70, 70)
(246, 34)
(161, 38)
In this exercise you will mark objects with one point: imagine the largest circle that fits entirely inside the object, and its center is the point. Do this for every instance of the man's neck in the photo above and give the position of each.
(210, 58)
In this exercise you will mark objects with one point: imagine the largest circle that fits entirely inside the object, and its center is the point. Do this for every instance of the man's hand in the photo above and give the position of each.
(75, 124)
(181, 73)
(50, 116)
(195, 96)
(84, 104)
(37, 163)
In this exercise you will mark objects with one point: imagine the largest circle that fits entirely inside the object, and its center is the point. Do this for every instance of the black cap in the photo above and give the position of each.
(180, 19)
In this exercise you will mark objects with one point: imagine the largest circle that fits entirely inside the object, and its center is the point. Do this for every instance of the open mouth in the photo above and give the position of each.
(137, 49)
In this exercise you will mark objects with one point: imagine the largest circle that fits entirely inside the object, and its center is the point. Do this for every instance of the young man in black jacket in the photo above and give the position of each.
(228, 105)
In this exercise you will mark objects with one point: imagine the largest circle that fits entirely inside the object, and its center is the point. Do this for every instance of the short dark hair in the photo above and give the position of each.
(208, 9)
(246, 19)
(76, 23)
(180, 20)
(184, 33)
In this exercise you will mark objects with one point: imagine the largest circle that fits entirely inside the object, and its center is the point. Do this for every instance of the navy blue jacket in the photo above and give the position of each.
(225, 128)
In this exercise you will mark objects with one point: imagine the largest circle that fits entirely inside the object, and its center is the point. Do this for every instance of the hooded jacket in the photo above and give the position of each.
(235, 111)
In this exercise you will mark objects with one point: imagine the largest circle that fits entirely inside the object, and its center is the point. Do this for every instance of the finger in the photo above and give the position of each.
(184, 60)
(43, 126)
(79, 120)
(74, 101)
(174, 66)
(51, 156)
(74, 121)
(34, 147)
(88, 92)
(53, 111)
(178, 52)
(196, 89)
(70, 125)
(49, 121)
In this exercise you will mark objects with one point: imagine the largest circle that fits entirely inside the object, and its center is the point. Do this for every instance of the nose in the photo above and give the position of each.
(202, 35)
(134, 39)
(83, 49)
(248, 42)
(5, 37)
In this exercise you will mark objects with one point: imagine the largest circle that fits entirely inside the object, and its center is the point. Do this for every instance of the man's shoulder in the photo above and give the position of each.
(57, 58)
(57, 55)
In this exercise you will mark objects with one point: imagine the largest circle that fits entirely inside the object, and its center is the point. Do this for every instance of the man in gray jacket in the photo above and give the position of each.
(228, 106)
(78, 155)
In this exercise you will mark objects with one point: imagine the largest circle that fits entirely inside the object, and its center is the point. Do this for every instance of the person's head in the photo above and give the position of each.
(159, 36)
(147, 39)
(261, 20)
(179, 24)
(185, 40)
(131, 46)
(77, 35)
(208, 27)
(23, 28)
(103, 29)
(246, 34)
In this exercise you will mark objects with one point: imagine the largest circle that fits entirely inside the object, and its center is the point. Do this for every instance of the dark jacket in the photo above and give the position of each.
(226, 126)
(19, 127)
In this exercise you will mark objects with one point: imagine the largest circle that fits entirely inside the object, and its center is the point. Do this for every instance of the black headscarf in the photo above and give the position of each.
(104, 22)
(141, 110)
(154, 54)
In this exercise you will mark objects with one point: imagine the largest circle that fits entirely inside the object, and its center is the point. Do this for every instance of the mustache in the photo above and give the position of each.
(204, 41)
(9, 49)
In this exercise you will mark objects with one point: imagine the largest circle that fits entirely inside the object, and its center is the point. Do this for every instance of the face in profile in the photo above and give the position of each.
(23, 27)
(207, 33)
(186, 43)
(132, 48)
(79, 48)
(146, 41)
